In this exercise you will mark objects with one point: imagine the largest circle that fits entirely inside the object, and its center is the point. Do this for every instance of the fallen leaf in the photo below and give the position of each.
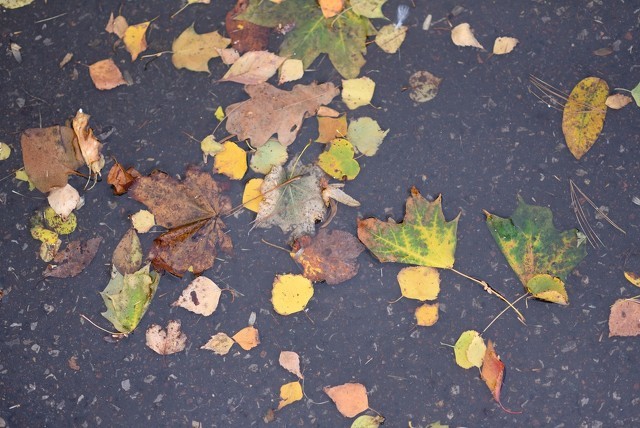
(231, 161)
(291, 69)
(334, 191)
(330, 128)
(106, 75)
(248, 338)
(290, 393)
(143, 221)
(73, 259)
(357, 92)
(62, 225)
(117, 25)
(350, 398)
(366, 135)
(294, 206)
(633, 278)
(49, 156)
(583, 115)
(329, 256)
(15, 4)
(624, 319)
(21, 175)
(5, 151)
(603, 51)
(635, 93)
(419, 282)
(127, 257)
(617, 101)
(253, 67)
(328, 112)
(63, 200)
(210, 147)
(90, 147)
(166, 342)
(493, 372)
(290, 361)
(252, 197)
(127, 297)
(48, 250)
(121, 179)
(193, 51)
(424, 237)
(65, 60)
(331, 8)
(274, 111)
(461, 35)
(290, 293)
(368, 8)
(338, 160)
(267, 156)
(367, 421)
(427, 314)
(465, 342)
(343, 40)
(200, 297)
(73, 363)
(390, 37)
(537, 252)
(135, 39)
(219, 343)
(504, 45)
(191, 210)
(245, 36)
(219, 114)
(424, 86)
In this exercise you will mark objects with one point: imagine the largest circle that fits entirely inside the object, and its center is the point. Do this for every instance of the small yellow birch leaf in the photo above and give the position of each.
(193, 51)
(617, 101)
(583, 115)
(357, 92)
(252, 195)
(134, 39)
(633, 278)
(419, 282)
(390, 37)
(219, 114)
(248, 338)
(143, 221)
(219, 343)
(476, 351)
(291, 293)
(232, 161)
(290, 70)
(210, 147)
(504, 45)
(427, 315)
(461, 35)
(5, 151)
(462, 346)
(290, 393)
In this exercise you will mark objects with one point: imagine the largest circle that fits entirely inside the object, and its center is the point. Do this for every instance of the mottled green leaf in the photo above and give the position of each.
(534, 247)
(342, 38)
(338, 161)
(424, 237)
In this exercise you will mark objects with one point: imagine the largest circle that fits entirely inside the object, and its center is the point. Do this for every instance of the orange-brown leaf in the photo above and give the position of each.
(624, 319)
(492, 371)
(350, 398)
(106, 75)
(245, 36)
(121, 179)
(73, 259)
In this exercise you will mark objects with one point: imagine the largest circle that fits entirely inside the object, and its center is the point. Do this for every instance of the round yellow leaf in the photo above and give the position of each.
(419, 282)
(427, 315)
(232, 161)
(290, 393)
(461, 348)
(291, 293)
(476, 351)
(357, 92)
(143, 221)
(390, 37)
(5, 151)
(252, 195)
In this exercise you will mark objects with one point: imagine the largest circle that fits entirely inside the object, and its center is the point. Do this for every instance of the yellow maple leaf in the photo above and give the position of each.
(193, 51)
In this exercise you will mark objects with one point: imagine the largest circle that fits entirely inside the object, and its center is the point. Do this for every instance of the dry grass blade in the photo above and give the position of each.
(549, 95)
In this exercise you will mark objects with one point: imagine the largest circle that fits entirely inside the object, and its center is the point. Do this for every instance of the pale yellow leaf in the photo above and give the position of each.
(135, 39)
(219, 343)
(193, 51)
(201, 296)
(291, 69)
(357, 92)
(166, 342)
(5, 151)
(390, 37)
(461, 35)
(504, 45)
(617, 101)
(143, 221)
(419, 282)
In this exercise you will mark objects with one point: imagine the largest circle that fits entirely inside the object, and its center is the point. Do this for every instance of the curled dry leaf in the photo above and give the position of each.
(350, 398)
(273, 111)
(624, 319)
(135, 39)
(617, 101)
(290, 361)
(73, 259)
(89, 145)
(166, 342)
(106, 75)
(219, 343)
(248, 338)
(504, 45)
(121, 179)
(329, 256)
(63, 200)
(461, 35)
(201, 296)
(127, 257)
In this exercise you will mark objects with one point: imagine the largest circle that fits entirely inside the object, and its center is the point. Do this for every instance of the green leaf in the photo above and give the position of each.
(534, 247)
(267, 156)
(128, 297)
(368, 8)
(342, 38)
(367, 421)
(338, 161)
(635, 93)
(424, 237)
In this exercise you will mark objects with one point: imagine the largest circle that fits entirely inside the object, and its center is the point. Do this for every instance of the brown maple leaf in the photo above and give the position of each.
(329, 256)
(274, 111)
(245, 36)
(191, 210)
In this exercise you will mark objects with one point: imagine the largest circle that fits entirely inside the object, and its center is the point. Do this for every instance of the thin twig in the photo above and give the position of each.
(502, 312)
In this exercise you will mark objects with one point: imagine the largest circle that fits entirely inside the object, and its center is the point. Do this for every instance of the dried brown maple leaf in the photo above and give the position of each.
(329, 256)
(245, 36)
(73, 259)
(191, 210)
(121, 179)
(274, 111)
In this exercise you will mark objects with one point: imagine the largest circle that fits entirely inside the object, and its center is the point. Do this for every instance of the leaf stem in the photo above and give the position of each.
(491, 291)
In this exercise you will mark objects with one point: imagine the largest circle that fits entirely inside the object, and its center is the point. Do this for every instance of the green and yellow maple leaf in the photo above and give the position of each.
(538, 253)
(424, 237)
(342, 38)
